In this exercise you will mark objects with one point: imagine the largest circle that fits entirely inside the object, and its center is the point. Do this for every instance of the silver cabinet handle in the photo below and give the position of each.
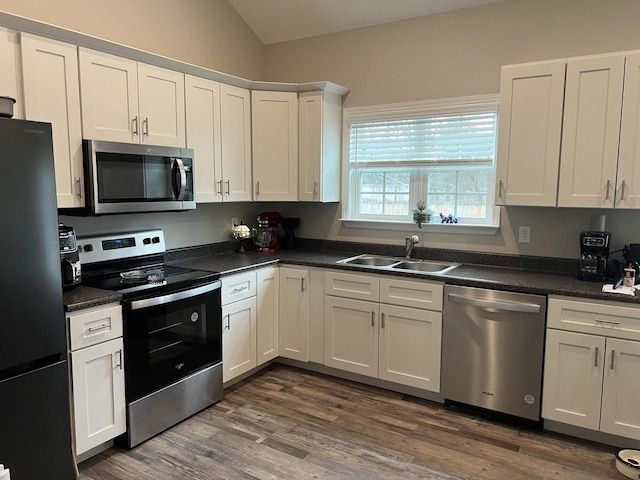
(500, 189)
(98, 328)
(382, 320)
(258, 187)
(119, 363)
(302, 284)
(240, 289)
(624, 184)
(145, 126)
(219, 187)
(595, 362)
(315, 189)
(507, 306)
(228, 182)
(608, 322)
(373, 316)
(613, 357)
(228, 327)
(608, 187)
(134, 125)
(79, 187)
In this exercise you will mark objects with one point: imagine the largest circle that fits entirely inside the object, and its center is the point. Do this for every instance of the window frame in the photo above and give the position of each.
(408, 110)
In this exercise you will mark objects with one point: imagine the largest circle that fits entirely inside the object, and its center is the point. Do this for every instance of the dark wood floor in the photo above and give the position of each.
(285, 423)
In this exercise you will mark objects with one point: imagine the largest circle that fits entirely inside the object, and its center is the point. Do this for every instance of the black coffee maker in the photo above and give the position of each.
(594, 255)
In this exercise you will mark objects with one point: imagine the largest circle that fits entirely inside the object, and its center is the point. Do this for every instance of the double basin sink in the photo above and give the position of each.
(399, 264)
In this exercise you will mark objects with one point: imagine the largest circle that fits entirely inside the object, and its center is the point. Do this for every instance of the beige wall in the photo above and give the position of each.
(456, 54)
(208, 33)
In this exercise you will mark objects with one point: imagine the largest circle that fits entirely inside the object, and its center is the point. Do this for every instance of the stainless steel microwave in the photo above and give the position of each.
(127, 178)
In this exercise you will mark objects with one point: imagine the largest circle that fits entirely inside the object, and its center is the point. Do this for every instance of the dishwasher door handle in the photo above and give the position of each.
(495, 305)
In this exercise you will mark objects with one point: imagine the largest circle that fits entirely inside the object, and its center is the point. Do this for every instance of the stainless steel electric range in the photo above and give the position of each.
(172, 329)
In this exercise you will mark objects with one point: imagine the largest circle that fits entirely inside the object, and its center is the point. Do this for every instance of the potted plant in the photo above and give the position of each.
(421, 214)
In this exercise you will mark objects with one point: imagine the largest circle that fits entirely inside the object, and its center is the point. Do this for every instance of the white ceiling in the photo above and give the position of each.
(276, 21)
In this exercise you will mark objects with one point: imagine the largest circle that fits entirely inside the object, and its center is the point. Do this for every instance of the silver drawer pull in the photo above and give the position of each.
(613, 357)
(373, 317)
(97, 329)
(382, 320)
(240, 289)
(119, 363)
(608, 322)
(595, 362)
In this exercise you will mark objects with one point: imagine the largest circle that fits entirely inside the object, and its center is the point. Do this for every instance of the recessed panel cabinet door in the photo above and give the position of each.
(239, 338)
(590, 132)
(572, 384)
(293, 339)
(52, 94)
(628, 181)
(98, 394)
(531, 99)
(268, 313)
(621, 389)
(109, 97)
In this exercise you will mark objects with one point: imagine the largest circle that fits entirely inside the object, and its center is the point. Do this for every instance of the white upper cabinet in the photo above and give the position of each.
(275, 145)
(127, 101)
(235, 137)
(531, 97)
(591, 130)
(51, 94)
(628, 180)
(319, 128)
(203, 136)
(9, 78)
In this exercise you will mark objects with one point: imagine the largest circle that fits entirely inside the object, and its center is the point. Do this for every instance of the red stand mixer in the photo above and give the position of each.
(265, 236)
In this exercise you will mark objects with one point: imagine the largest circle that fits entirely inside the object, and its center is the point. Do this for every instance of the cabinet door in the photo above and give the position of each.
(351, 335)
(531, 99)
(294, 314)
(268, 313)
(52, 94)
(9, 58)
(238, 338)
(161, 106)
(109, 96)
(274, 128)
(628, 181)
(309, 145)
(591, 129)
(573, 378)
(621, 390)
(98, 394)
(203, 135)
(409, 345)
(235, 134)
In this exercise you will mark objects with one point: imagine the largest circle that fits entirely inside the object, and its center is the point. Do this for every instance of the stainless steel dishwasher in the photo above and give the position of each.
(492, 350)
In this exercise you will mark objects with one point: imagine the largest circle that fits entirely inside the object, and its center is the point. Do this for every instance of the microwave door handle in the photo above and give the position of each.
(179, 190)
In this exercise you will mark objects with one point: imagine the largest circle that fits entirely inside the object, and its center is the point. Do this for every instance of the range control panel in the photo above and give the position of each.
(120, 246)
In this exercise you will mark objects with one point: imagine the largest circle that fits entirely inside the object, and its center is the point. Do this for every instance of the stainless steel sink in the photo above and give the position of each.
(381, 262)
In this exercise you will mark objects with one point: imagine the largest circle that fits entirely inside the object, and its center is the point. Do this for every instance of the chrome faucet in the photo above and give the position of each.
(409, 243)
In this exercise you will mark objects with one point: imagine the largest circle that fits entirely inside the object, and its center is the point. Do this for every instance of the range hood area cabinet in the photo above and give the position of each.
(219, 131)
(595, 163)
(127, 101)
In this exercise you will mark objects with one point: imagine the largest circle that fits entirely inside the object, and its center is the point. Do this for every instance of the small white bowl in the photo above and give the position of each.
(628, 463)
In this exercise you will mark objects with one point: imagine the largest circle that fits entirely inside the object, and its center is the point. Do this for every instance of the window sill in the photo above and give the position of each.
(453, 228)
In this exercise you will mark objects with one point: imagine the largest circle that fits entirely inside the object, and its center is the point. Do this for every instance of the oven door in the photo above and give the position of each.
(171, 336)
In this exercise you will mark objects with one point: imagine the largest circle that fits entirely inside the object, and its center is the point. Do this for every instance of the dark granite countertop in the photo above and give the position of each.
(542, 276)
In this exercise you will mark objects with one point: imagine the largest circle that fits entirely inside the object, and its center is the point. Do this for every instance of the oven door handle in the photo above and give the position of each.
(174, 297)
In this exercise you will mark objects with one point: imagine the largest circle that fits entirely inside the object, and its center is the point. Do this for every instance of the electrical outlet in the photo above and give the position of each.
(234, 221)
(524, 234)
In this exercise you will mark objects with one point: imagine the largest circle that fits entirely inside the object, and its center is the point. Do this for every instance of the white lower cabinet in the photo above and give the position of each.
(294, 314)
(391, 341)
(268, 282)
(590, 378)
(238, 338)
(97, 376)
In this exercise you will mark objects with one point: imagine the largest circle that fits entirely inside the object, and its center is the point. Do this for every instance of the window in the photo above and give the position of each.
(440, 152)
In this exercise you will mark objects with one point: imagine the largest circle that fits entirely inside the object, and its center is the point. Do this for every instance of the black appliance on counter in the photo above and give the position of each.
(69, 257)
(35, 418)
(172, 320)
(594, 256)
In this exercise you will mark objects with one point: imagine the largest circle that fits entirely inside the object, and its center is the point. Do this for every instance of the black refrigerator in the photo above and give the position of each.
(35, 425)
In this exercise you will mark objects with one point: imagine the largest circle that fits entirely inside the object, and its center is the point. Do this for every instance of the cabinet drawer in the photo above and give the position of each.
(359, 287)
(608, 319)
(94, 325)
(238, 287)
(408, 293)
